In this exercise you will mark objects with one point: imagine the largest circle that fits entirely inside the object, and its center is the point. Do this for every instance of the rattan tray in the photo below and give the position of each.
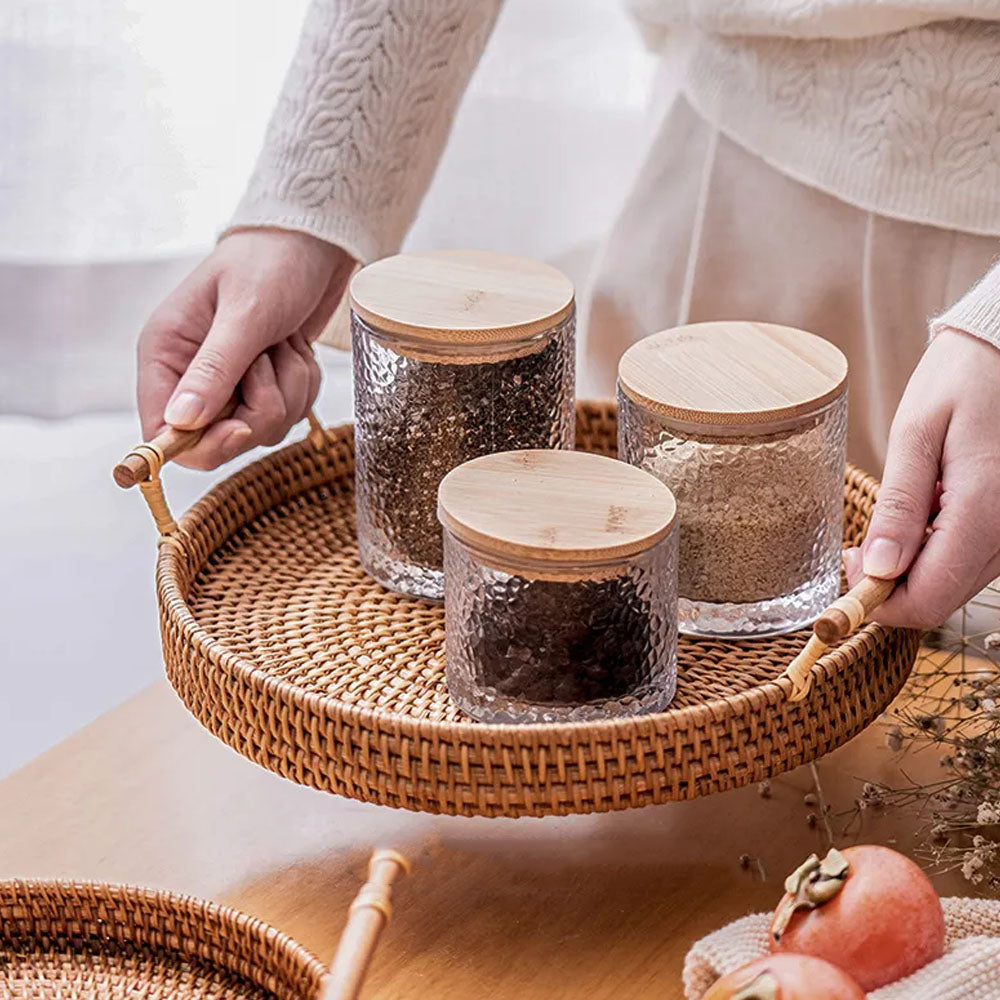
(280, 645)
(91, 941)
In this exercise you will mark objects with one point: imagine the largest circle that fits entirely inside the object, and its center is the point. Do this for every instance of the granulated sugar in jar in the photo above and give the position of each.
(747, 425)
(457, 354)
(560, 587)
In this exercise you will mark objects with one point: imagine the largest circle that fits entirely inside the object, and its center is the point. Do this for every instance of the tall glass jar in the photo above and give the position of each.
(560, 587)
(457, 354)
(747, 425)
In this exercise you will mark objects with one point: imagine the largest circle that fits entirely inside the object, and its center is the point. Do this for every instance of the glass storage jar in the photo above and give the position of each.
(456, 354)
(560, 587)
(747, 425)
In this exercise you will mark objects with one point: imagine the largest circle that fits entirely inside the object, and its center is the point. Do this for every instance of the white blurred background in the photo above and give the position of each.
(127, 129)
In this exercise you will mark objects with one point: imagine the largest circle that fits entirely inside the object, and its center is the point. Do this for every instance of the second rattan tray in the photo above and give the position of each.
(279, 643)
(93, 941)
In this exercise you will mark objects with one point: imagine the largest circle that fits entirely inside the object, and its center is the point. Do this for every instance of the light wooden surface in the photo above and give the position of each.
(555, 505)
(732, 372)
(461, 296)
(600, 906)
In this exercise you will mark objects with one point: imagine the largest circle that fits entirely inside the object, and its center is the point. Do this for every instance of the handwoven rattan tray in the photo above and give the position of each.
(279, 643)
(79, 940)
(91, 941)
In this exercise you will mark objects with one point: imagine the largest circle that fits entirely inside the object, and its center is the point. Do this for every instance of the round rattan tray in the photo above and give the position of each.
(92, 941)
(278, 643)
(83, 940)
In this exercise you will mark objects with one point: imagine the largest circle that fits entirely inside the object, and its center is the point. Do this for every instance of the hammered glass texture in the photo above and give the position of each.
(415, 420)
(529, 650)
(760, 515)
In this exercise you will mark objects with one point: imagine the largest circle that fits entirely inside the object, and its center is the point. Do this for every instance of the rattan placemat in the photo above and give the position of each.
(280, 644)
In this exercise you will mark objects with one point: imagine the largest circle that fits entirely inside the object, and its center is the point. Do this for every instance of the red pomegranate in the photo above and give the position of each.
(786, 977)
(869, 910)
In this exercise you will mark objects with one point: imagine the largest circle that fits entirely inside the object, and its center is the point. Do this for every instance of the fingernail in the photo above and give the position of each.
(234, 442)
(852, 561)
(184, 409)
(882, 558)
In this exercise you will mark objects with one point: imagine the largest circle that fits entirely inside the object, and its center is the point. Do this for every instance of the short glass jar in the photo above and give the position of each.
(747, 425)
(560, 588)
(456, 354)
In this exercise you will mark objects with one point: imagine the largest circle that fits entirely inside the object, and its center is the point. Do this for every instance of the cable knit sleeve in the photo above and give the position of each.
(363, 117)
(977, 312)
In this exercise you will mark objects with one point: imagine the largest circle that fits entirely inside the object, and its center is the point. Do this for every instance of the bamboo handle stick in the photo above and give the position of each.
(134, 467)
(370, 912)
(836, 623)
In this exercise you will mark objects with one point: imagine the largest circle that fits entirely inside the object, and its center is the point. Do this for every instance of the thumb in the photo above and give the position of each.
(238, 334)
(905, 499)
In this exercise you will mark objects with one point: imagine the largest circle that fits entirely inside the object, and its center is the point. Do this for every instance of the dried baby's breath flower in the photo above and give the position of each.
(988, 814)
(971, 863)
(764, 789)
(951, 706)
(933, 724)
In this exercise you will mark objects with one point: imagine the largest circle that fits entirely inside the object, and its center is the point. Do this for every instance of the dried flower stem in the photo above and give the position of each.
(951, 707)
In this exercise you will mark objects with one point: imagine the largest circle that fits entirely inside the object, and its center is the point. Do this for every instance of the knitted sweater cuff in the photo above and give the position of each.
(332, 226)
(977, 312)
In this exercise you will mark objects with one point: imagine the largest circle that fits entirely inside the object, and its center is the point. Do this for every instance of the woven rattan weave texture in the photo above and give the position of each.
(280, 645)
(94, 942)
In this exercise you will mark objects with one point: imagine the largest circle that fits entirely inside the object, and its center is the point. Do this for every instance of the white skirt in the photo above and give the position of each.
(710, 231)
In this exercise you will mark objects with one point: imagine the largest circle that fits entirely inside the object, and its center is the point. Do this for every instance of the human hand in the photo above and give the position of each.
(943, 462)
(243, 320)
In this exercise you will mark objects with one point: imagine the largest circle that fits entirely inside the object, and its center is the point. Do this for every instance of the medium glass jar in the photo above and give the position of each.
(457, 354)
(560, 587)
(747, 425)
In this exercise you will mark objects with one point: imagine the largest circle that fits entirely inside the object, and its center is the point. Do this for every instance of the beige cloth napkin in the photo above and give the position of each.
(968, 970)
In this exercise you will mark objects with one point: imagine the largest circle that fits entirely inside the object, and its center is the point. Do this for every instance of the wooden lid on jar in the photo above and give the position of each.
(461, 296)
(555, 506)
(732, 373)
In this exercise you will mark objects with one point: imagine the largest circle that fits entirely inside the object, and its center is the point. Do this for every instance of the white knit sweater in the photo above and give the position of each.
(890, 105)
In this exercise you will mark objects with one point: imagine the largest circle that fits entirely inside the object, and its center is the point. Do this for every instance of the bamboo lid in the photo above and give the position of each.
(461, 296)
(732, 373)
(555, 506)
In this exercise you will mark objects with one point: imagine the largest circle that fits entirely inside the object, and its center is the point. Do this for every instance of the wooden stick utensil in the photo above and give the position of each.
(836, 623)
(370, 912)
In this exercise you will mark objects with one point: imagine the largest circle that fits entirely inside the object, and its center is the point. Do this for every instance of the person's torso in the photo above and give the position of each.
(904, 122)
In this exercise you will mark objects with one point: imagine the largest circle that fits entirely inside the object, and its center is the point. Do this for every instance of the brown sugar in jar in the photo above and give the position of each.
(747, 424)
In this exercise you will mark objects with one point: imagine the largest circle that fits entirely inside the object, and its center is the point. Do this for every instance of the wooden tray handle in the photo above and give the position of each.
(836, 623)
(370, 912)
(141, 466)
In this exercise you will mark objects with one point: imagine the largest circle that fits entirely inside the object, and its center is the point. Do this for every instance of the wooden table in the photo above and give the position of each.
(601, 906)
